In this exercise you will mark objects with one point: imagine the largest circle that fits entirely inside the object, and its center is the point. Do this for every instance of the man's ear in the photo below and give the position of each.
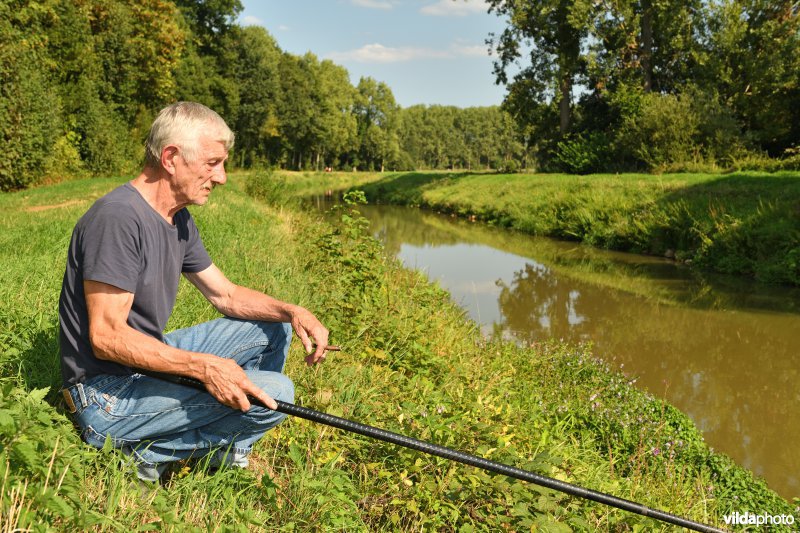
(168, 155)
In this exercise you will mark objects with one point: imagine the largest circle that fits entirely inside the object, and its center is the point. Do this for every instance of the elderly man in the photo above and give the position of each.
(123, 266)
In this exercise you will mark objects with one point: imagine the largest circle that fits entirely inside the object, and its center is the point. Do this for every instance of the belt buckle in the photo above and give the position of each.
(70, 402)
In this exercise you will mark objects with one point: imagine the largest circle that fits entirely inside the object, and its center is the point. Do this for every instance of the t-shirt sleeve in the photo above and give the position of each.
(196, 258)
(111, 248)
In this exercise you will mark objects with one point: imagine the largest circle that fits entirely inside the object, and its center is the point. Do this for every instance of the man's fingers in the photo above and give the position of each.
(244, 404)
(305, 340)
(267, 400)
(258, 394)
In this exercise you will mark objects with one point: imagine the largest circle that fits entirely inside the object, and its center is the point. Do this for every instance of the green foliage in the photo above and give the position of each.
(41, 462)
(83, 80)
(351, 257)
(257, 75)
(582, 154)
(29, 114)
(376, 115)
(269, 187)
(79, 79)
(446, 137)
(753, 63)
(105, 144)
(742, 53)
(662, 132)
(65, 157)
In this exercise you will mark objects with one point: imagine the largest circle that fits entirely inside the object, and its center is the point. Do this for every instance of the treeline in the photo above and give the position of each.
(623, 85)
(82, 80)
(645, 84)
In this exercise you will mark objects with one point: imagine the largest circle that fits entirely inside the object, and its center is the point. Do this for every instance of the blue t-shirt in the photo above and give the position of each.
(124, 242)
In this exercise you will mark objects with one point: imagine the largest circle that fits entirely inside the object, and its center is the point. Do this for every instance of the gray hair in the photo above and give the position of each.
(181, 124)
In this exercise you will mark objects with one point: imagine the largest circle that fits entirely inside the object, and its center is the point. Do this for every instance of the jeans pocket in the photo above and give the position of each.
(106, 391)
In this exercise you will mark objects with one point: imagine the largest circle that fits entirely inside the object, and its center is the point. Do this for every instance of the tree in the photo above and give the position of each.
(29, 118)
(377, 116)
(210, 21)
(754, 64)
(256, 72)
(552, 33)
(207, 71)
(337, 122)
(652, 44)
(297, 102)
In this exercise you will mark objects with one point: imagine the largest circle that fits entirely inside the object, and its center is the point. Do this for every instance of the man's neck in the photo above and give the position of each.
(155, 189)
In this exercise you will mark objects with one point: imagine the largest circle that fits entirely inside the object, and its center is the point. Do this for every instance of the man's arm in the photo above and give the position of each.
(113, 339)
(240, 302)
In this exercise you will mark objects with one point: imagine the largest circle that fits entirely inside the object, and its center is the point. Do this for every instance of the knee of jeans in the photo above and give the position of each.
(287, 332)
(279, 386)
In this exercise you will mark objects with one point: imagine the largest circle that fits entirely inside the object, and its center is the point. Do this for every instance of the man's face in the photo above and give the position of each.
(194, 180)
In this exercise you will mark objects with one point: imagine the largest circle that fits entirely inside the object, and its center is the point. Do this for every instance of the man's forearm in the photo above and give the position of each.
(133, 348)
(248, 304)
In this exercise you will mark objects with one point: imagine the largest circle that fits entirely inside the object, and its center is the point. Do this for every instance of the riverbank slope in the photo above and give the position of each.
(411, 363)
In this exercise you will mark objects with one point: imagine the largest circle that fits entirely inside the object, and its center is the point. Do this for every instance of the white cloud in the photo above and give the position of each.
(283, 27)
(470, 50)
(378, 53)
(250, 20)
(455, 8)
(372, 4)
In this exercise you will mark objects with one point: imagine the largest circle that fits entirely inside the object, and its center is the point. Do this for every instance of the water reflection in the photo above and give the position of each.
(723, 351)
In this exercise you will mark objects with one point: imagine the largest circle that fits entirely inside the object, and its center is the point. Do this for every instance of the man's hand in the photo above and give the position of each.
(228, 383)
(306, 325)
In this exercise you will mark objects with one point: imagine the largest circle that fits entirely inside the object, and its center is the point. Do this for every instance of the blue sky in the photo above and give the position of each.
(427, 51)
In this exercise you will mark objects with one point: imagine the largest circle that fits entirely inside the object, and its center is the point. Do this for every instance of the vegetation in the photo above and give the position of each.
(411, 363)
(83, 80)
(667, 85)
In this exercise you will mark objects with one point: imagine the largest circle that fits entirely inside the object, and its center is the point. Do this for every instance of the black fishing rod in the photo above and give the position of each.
(461, 457)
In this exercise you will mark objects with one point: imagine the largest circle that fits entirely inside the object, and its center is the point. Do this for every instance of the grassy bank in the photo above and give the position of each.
(411, 363)
(743, 223)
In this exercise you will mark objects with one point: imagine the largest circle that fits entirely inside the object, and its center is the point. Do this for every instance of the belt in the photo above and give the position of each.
(74, 396)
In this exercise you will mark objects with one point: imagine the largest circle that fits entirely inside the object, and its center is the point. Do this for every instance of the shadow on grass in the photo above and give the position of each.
(407, 188)
(38, 366)
(744, 224)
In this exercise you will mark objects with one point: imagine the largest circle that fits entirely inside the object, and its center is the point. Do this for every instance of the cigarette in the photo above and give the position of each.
(330, 348)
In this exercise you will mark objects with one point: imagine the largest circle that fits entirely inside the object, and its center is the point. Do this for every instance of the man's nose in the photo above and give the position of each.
(220, 176)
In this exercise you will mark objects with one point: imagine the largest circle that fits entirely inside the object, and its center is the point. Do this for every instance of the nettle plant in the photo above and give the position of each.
(352, 259)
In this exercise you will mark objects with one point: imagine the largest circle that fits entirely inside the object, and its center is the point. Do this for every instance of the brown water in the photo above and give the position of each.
(723, 350)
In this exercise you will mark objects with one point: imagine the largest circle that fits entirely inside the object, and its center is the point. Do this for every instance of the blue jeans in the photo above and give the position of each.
(158, 421)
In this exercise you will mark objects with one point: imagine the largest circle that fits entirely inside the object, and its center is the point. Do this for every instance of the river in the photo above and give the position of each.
(722, 349)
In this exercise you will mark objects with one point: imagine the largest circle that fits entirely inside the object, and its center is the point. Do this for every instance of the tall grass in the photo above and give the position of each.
(411, 363)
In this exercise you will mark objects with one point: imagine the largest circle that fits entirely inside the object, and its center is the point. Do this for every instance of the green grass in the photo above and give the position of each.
(410, 363)
(745, 223)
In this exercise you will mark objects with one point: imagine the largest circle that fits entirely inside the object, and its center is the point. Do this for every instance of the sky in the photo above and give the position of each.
(426, 51)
